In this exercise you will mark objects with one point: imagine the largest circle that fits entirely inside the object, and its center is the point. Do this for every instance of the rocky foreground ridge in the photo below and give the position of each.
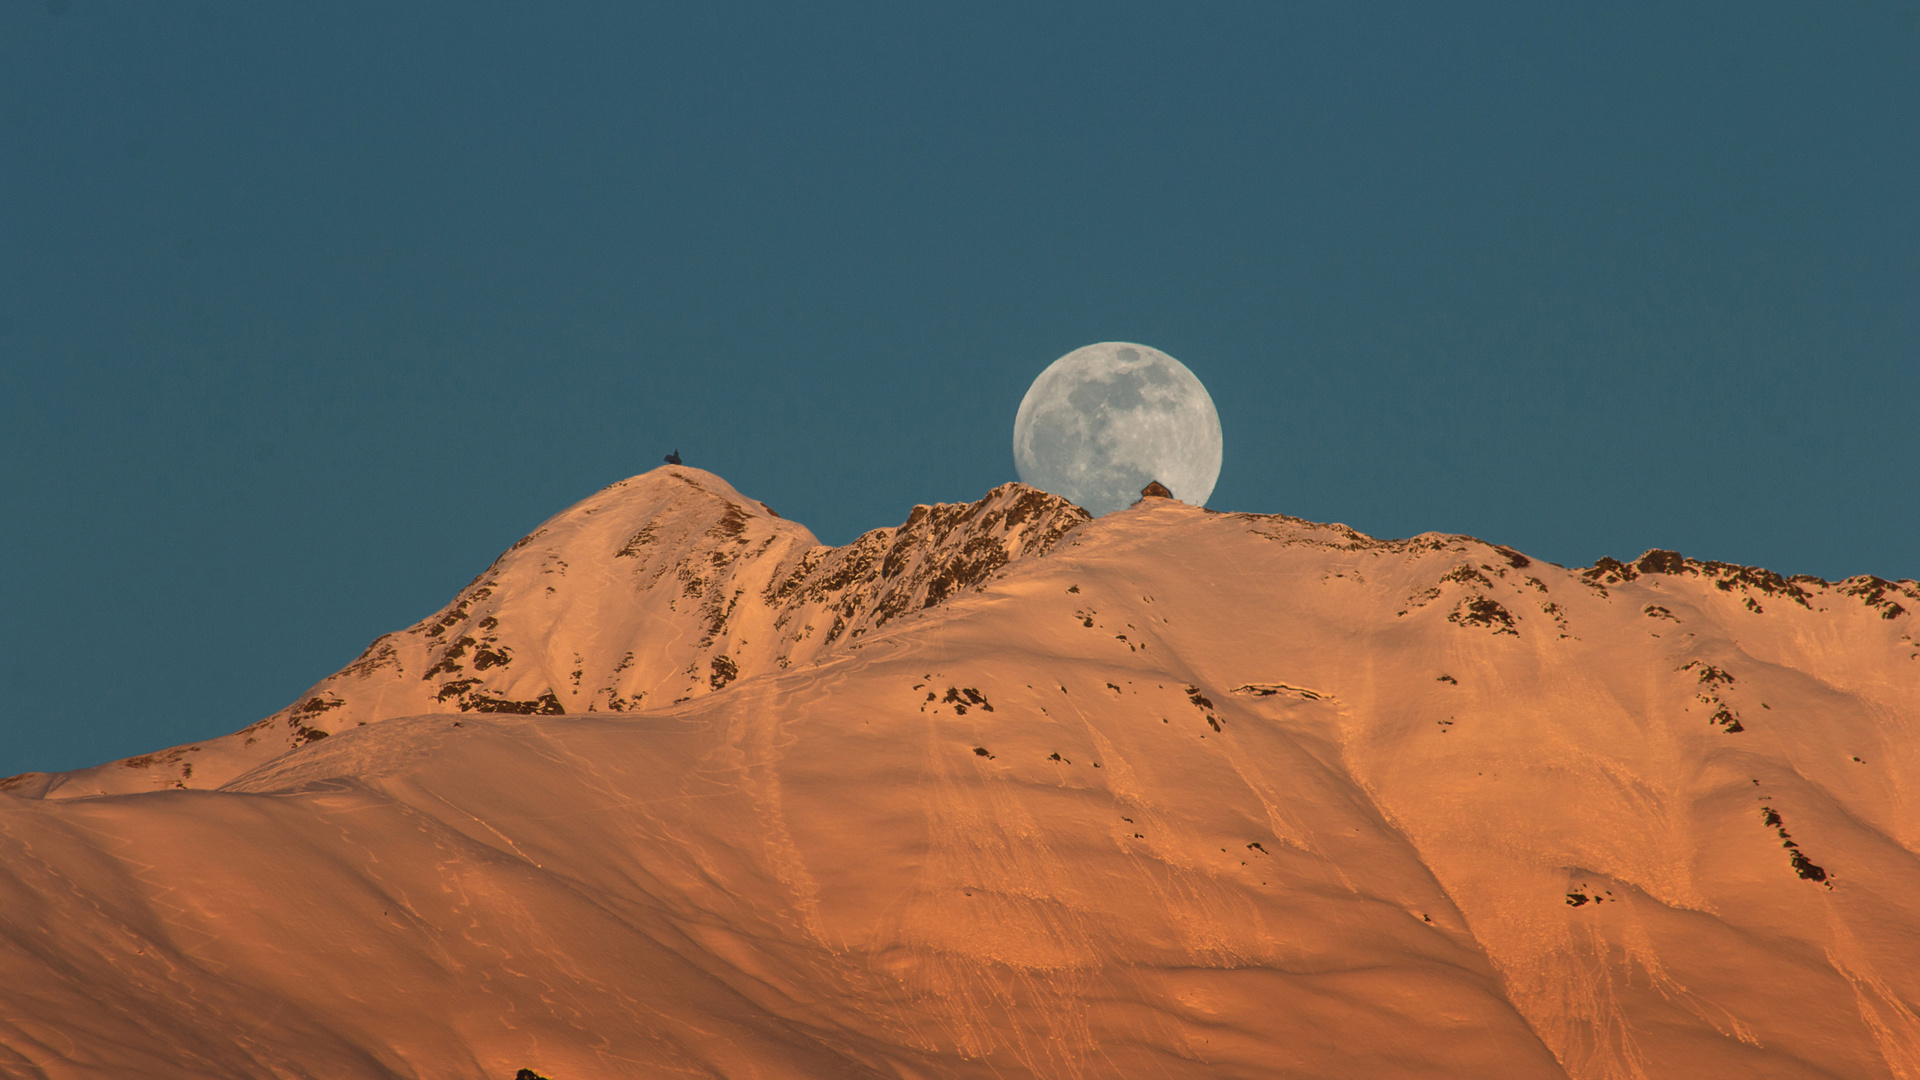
(672, 789)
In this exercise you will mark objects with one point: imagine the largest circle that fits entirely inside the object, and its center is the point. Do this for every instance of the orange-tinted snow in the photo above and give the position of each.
(1005, 792)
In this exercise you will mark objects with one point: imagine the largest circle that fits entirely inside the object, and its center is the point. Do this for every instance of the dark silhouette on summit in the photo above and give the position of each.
(674, 458)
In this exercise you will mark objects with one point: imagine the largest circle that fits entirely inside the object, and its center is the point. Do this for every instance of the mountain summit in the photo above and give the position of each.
(673, 789)
(659, 589)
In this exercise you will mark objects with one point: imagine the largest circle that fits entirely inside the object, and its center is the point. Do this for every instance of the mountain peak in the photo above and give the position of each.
(653, 591)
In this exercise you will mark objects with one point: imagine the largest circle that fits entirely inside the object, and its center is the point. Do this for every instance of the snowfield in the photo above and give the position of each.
(672, 790)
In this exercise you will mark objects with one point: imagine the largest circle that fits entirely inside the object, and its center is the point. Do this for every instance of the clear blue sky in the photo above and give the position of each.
(307, 311)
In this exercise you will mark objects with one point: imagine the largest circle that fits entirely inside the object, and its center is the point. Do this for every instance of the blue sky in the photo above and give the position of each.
(306, 312)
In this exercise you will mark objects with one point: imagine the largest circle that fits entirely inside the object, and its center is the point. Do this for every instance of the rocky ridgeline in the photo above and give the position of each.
(1877, 593)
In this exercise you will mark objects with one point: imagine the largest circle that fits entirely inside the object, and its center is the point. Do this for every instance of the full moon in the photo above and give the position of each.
(1105, 420)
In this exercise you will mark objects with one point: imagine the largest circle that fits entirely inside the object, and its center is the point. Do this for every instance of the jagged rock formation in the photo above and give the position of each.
(672, 789)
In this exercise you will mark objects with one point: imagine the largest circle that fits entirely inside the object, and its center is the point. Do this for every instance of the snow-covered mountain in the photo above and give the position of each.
(673, 789)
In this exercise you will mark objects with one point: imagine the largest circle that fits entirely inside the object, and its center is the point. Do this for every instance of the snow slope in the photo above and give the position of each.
(673, 790)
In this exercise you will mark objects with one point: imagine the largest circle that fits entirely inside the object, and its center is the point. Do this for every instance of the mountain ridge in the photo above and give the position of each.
(881, 575)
